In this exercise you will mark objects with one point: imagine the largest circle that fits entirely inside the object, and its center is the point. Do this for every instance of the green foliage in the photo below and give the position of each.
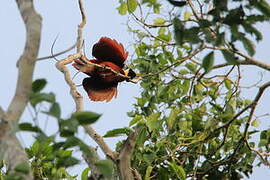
(188, 120)
(178, 170)
(105, 167)
(86, 117)
(117, 132)
(208, 62)
(127, 6)
(23, 168)
(229, 57)
(50, 157)
(38, 85)
(85, 173)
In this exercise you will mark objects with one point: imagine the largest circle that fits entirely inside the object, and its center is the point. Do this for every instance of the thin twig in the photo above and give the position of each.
(177, 62)
(80, 28)
(248, 60)
(57, 54)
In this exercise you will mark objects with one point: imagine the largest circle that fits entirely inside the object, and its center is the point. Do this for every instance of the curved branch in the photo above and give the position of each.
(57, 54)
(61, 65)
(14, 154)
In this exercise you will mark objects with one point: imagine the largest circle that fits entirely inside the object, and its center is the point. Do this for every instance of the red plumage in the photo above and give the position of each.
(101, 85)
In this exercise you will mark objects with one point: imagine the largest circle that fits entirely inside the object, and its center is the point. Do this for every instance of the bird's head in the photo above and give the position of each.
(130, 73)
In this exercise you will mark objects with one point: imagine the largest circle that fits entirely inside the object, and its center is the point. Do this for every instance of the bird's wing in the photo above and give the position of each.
(98, 90)
(107, 49)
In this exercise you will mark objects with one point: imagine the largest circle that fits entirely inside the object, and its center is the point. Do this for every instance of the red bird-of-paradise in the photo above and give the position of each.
(101, 85)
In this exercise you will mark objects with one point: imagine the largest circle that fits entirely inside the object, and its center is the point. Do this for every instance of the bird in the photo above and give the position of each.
(102, 81)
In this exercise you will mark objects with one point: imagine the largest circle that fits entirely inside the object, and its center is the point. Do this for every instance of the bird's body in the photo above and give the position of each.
(101, 85)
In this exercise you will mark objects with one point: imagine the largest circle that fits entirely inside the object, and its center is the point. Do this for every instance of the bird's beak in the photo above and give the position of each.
(130, 73)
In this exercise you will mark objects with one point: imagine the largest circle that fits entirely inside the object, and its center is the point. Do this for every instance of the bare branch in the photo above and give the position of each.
(57, 54)
(80, 28)
(126, 172)
(14, 154)
(61, 65)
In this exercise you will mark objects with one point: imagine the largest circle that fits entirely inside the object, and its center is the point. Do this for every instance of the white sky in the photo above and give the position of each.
(62, 16)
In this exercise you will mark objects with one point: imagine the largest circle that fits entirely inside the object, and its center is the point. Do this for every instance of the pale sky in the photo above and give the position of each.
(62, 17)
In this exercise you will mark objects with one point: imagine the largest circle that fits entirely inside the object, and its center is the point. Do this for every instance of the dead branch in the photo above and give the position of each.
(57, 54)
(61, 65)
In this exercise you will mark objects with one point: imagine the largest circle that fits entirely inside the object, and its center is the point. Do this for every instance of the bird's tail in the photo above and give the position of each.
(98, 90)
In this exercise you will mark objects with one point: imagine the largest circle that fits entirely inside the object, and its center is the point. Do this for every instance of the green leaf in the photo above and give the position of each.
(85, 173)
(68, 127)
(40, 97)
(178, 170)
(208, 62)
(153, 122)
(252, 30)
(188, 35)
(159, 21)
(71, 142)
(142, 137)
(191, 66)
(229, 57)
(105, 167)
(177, 3)
(13, 177)
(136, 119)
(122, 9)
(264, 7)
(248, 45)
(67, 161)
(187, 15)
(263, 142)
(255, 123)
(86, 117)
(132, 5)
(38, 85)
(64, 153)
(172, 117)
(117, 132)
(228, 84)
(148, 173)
(29, 127)
(54, 110)
(23, 168)
(178, 31)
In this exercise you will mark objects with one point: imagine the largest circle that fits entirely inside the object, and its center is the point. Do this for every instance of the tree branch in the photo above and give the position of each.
(14, 154)
(124, 158)
(2, 113)
(91, 161)
(254, 104)
(57, 54)
(248, 60)
(61, 65)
